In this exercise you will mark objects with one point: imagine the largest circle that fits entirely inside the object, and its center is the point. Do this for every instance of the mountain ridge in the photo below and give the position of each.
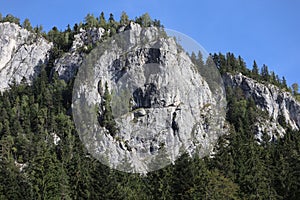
(42, 154)
(13, 68)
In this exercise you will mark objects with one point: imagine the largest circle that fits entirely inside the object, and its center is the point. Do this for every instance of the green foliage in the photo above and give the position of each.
(90, 21)
(62, 40)
(255, 168)
(107, 119)
(10, 18)
(38, 30)
(295, 88)
(233, 65)
(102, 21)
(265, 73)
(124, 19)
(146, 21)
(113, 25)
(255, 70)
(27, 25)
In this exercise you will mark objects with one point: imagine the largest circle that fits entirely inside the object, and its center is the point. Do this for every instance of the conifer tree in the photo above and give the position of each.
(255, 70)
(295, 87)
(107, 120)
(27, 25)
(124, 20)
(265, 73)
(102, 20)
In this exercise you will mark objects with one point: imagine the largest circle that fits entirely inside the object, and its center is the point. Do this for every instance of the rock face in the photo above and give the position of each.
(21, 54)
(161, 105)
(68, 64)
(270, 127)
(269, 98)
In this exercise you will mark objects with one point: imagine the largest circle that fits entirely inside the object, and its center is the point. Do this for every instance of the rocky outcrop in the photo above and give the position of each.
(68, 64)
(161, 105)
(269, 98)
(21, 54)
(270, 127)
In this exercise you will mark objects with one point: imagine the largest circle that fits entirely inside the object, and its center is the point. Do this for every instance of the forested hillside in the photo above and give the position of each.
(42, 157)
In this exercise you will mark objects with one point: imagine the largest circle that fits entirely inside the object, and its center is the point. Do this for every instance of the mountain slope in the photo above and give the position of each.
(43, 157)
(23, 53)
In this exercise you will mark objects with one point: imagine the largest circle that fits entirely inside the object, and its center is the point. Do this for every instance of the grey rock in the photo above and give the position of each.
(271, 128)
(159, 101)
(140, 112)
(269, 98)
(21, 54)
(68, 64)
(155, 96)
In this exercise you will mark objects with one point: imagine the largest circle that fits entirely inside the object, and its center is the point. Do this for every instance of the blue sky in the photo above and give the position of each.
(267, 31)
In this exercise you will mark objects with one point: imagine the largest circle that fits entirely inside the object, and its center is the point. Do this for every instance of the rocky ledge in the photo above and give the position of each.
(269, 98)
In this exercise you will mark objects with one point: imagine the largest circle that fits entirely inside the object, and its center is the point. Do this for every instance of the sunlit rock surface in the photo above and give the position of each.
(21, 54)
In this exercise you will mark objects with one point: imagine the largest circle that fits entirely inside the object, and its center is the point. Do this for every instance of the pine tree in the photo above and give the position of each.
(112, 24)
(38, 29)
(283, 83)
(200, 61)
(90, 21)
(220, 187)
(295, 88)
(265, 73)
(242, 66)
(255, 70)
(27, 25)
(194, 58)
(111, 19)
(107, 119)
(144, 20)
(124, 20)
(273, 78)
(102, 20)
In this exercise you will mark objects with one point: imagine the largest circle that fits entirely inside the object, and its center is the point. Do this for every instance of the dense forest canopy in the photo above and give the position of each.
(35, 166)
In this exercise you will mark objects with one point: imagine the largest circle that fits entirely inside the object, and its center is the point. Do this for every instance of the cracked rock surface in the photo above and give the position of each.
(271, 99)
(68, 64)
(21, 54)
(161, 104)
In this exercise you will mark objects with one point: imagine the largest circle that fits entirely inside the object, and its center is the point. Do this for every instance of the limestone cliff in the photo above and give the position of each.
(178, 111)
(68, 64)
(270, 99)
(21, 54)
(161, 104)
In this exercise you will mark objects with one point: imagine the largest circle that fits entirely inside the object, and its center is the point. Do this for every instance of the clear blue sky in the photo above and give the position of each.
(265, 30)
